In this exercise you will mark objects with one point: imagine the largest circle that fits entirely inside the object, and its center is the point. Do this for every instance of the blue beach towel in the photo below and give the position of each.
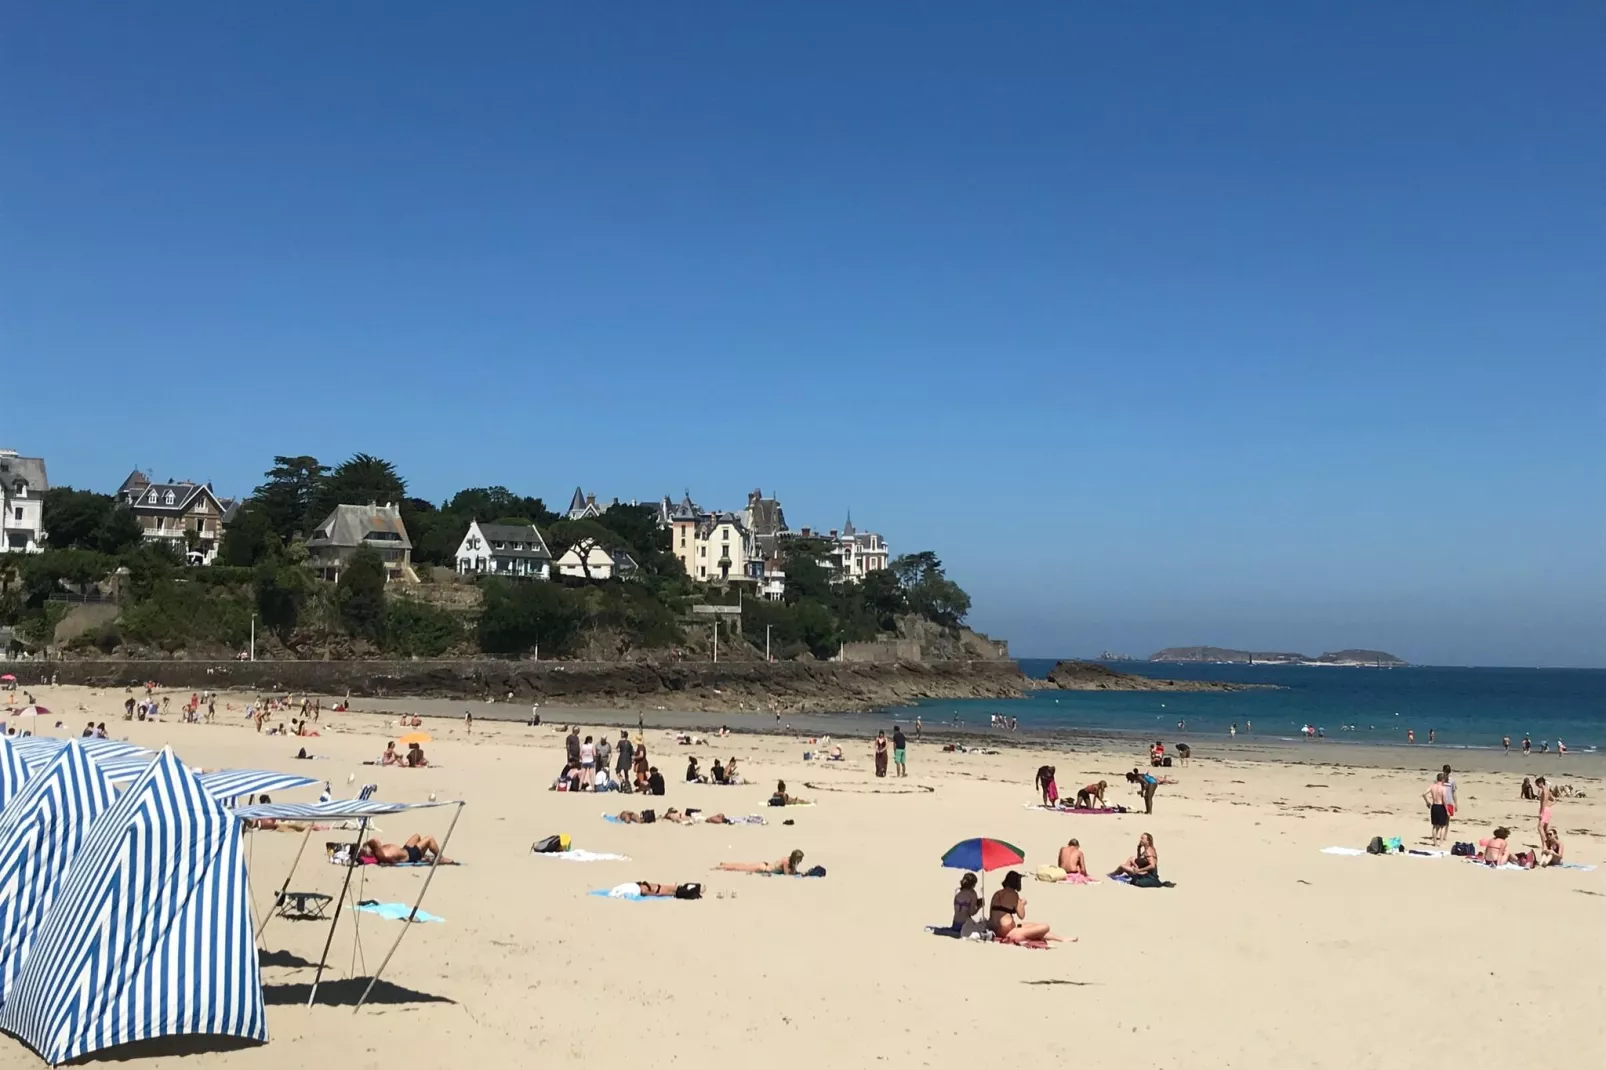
(395, 911)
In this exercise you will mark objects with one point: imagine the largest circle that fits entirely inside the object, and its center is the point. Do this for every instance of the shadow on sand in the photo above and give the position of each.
(167, 1048)
(345, 993)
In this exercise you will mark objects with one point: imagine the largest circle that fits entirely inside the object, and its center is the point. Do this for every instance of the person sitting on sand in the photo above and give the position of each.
(692, 775)
(1528, 790)
(1072, 860)
(416, 849)
(1494, 848)
(786, 867)
(415, 756)
(731, 776)
(1144, 867)
(967, 904)
(1006, 915)
(718, 773)
(781, 798)
(390, 757)
(1045, 784)
(1092, 796)
(655, 781)
(1550, 854)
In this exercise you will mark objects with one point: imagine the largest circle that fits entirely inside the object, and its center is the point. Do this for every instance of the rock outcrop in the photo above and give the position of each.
(1091, 676)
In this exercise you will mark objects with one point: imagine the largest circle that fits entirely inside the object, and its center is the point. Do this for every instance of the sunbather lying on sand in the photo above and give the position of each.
(787, 866)
(670, 891)
(416, 849)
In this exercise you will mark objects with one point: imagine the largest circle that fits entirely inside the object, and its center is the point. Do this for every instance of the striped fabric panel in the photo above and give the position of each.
(151, 933)
(12, 771)
(41, 830)
(334, 810)
(228, 784)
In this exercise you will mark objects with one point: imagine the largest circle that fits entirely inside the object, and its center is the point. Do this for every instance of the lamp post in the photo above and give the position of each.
(253, 637)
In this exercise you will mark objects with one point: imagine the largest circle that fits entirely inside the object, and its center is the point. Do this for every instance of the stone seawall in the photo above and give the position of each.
(786, 686)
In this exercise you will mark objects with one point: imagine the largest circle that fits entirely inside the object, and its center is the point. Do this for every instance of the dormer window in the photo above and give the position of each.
(151, 497)
(21, 488)
(168, 500)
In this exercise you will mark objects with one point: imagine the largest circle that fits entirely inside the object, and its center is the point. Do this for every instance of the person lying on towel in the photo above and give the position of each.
(788, 866)
(416, 849)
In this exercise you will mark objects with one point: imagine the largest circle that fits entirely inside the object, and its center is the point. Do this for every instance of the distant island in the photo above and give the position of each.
(1091, 676)
(1262, 657)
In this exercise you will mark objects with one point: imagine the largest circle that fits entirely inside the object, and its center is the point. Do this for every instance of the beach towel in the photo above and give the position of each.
(1122, 878)
(1342, 851)
(987, 938)
(336, 861)
(1083, 811)
(579, 855)
(395, 911)
(630, 892)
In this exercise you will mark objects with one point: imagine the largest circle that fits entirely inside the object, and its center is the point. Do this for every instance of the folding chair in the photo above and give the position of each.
(302, 906)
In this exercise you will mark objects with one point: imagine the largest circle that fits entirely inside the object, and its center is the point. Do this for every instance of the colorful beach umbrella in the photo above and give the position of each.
(6, 677)
(983, 854)
(415, 737)
(33, 711)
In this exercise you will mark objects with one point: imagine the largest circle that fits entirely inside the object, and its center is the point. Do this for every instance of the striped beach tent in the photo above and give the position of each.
(231, 784)
(42, 829)
(151, 932)
(12, 770)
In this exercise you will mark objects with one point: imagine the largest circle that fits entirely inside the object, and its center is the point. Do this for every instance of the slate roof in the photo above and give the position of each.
(31, 470)
(528, 534)
(350, 525)
(138, 497)
(765, 513)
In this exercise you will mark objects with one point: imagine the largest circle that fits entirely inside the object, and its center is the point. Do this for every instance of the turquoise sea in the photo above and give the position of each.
(1462, 707)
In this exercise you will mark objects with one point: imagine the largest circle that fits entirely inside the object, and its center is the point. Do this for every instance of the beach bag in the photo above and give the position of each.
(1465, 849)
(1052, 874)
(550, 845)
(648, 817)
(1376, 846)
(688, 891)
(1166, 761)
(814, 871)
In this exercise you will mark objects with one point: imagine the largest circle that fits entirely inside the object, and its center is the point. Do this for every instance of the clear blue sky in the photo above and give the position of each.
(1271, 325)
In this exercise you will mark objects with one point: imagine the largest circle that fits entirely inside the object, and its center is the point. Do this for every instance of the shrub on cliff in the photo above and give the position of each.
(360, 595)
(176, 615)
(415, 629)
(519, 617)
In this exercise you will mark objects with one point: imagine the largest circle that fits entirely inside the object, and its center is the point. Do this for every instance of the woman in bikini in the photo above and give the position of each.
(967, 904)
(786, 867)
(1550, 854)
(881, 753)
(1087, 797)
(1143, 868)
(1494, 848)
(1006, 915)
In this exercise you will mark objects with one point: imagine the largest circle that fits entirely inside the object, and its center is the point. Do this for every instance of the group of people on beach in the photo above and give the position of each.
(1495, 850)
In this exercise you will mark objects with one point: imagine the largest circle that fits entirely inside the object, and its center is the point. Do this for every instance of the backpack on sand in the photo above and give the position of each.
(1376, 846)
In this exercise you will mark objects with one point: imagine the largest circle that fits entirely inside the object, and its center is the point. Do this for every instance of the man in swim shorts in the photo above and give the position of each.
(416, 849)
(900, 746)
(1437, 797)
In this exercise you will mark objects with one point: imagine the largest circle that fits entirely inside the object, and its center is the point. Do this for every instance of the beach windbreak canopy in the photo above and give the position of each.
(333, 810)
(227, 784)
(42, 829)
(12, 770)
(151, 932)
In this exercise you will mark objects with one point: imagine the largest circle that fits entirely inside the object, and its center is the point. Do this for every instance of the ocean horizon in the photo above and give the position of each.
(1460, 706)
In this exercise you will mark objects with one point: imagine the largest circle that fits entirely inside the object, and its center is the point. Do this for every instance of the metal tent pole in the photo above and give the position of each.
(323, 959)
(288, 877)
(413, 913)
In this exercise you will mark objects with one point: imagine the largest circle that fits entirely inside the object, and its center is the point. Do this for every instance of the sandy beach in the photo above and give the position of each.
(1267, 952)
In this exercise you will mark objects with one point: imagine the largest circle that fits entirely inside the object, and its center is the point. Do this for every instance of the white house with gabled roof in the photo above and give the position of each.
(512, 550)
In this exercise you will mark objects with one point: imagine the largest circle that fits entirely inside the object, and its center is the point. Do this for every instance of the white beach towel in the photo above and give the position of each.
(625, 891)
(580, 855)
(1342, 851)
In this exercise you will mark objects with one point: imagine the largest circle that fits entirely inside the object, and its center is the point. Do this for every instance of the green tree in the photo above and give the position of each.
(929, 591)
(119, 532)
(519, 617)
(74, 518)
(281, 591)
(883, 598)
(250, 538)
(359, 480)
(415, 629)
(289, 495)
(150, 565)
(360, 595)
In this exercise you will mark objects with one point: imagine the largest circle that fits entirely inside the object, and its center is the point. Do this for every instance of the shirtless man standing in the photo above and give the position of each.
(1438, 808)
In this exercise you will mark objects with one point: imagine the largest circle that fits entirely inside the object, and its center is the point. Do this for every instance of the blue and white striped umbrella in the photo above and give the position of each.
(36, 751)
(151, 933)
(334, 810)
(229, 784)
(13, 772)
(41, 831)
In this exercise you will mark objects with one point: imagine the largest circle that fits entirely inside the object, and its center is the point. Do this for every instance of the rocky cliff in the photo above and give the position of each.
(798, 687)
